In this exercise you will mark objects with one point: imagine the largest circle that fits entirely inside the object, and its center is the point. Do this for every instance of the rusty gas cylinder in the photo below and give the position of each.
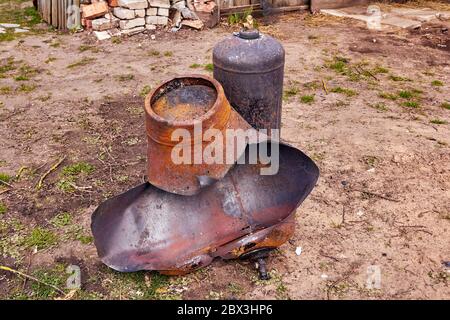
(250, 67)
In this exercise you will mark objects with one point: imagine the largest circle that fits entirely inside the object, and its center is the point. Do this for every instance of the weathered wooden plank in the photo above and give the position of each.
(257, 10)
(238, 3)
(54, 13)
(316, 5)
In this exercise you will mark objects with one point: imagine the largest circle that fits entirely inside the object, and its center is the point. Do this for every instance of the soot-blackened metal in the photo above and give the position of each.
(147, 228)
(250, 68)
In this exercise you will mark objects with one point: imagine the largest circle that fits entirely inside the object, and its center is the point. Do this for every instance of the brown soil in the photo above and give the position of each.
(383, 197)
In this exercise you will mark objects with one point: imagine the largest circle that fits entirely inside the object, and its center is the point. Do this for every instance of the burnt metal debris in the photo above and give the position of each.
(187, 215)
(181, 103)
(250, 67)
(147, 228)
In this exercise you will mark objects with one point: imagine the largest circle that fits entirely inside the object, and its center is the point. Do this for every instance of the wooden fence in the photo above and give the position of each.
(59, 12)
(272, 6)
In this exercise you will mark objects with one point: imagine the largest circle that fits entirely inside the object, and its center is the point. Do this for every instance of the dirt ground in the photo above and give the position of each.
(371, 108)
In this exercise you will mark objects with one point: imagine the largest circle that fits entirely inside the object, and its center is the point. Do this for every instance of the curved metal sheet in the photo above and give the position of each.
(147, 228)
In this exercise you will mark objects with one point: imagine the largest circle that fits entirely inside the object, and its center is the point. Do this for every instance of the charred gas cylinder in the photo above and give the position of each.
(250, 67)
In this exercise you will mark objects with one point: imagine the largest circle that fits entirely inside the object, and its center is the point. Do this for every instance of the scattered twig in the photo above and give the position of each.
(376, 195)
(52, 168)
(83, 189)
(324, 85)
(31, 278)
(329, 257)
(343, 215)
(6, 184)
(369, 73)
(21, 170)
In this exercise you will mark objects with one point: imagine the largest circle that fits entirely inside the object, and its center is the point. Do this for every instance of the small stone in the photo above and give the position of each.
(2, 30)
(152, 11)
(163, 12)
(19, 30)
(123, 13)
(133, 4)
(150, 27)
(195, 24)
(102, 35)
(133, 31)
(360, 213)
(160, 3)
(139, 13)
(9, 25)
(130, 24)
(298, 251)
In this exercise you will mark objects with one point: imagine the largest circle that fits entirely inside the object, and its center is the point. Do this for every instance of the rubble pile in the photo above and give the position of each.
(128, 17)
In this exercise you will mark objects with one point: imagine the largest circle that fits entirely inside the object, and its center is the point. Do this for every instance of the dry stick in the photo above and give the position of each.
(53, 168)
(376, 195)
(370, 73)
(5, 183)
(324, 86)
(31, 278)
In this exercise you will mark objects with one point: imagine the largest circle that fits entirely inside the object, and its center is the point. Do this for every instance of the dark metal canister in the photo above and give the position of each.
(250, 67)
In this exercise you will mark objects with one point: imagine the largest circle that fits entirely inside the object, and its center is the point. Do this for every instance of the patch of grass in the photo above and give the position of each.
(445, 105)
(21, 78)
(116, 40)
(61, 220)
(313, 85)
(398, 78)
(78, 168)
(346, 91)
(125, 77)
(5, 90)
(40, 238)
(438, 121)
(379, 69)
(195, 66)
(290, 92)
(168, 54)
(55, 276)
(82, 62)
(70, 173)
(145, 91)
(26, 88)
(209, 67)
(154, 53)
(307, 99)
(380, 106)
(55, 44)
(3, 208)
(85, 47)
(437, 83)
(12, 12)
(339, 64)
(7, 65)
(411, 104)
(405, 94)
(50, 59)
(4, 177)
(239, 18)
